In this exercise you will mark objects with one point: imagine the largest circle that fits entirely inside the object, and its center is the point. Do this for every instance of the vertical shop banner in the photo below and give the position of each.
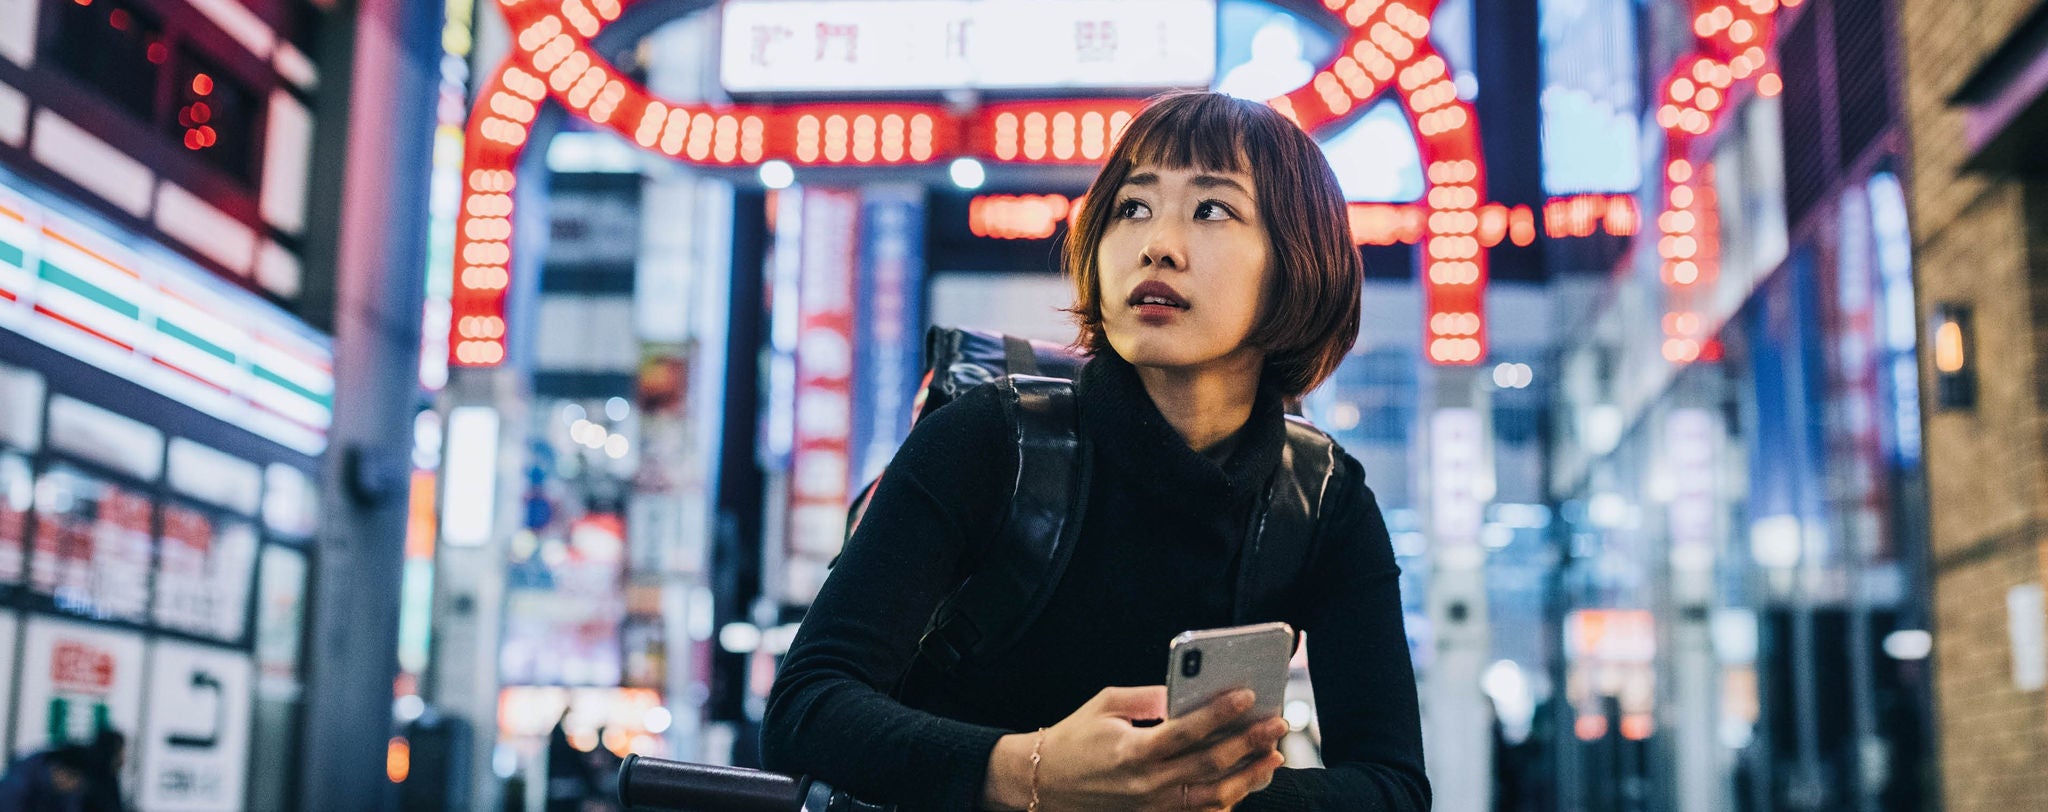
(1691, 440)
(92, 550)
(203, 574)
(75, 678)
(1460, 483)
(1859, 490)
(821, 448)
(195, 746)
(891, 278)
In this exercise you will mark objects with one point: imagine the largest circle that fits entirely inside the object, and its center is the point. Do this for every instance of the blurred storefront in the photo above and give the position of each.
(166, 389)
(1736, 441)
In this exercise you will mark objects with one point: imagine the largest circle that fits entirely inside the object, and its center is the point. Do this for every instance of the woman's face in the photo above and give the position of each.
(1183, 268)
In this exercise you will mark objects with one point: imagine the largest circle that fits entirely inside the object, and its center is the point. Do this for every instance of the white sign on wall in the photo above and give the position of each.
(772, 45)
(73, 677)
(2024, 625)
(195, 747)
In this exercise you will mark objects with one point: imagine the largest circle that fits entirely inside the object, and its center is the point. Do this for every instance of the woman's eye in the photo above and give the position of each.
(1212, 210)
(1131, 209)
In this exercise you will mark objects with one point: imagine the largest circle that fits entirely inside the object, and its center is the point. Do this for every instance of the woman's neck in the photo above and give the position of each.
(1208, 404)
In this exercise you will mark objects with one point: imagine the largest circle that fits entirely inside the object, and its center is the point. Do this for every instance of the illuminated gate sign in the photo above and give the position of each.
(1387, 51)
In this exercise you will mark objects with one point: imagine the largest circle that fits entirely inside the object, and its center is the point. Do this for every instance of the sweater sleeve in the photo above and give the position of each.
(830, 714)
(1365, 688)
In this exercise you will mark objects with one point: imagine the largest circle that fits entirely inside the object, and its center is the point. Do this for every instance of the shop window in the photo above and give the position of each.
(213, 115)
(204, 570)
(291, 503)
(215, 477)
(92, 550)
(113, 46)
(123, 444)
(17, 492)
(21, 407)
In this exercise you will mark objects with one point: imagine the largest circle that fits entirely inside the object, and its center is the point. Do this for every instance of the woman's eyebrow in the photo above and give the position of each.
(1201, 181)
(1206, 181)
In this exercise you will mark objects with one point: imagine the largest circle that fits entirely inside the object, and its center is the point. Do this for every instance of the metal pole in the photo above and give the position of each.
(377, 109)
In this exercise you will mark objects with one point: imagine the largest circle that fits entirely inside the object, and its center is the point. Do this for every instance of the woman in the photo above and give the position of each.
(1214, 278)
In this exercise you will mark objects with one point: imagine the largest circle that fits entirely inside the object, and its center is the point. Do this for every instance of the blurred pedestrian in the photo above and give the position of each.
(604, 775)
(568, 770)
(1215, 280)
(52, 780)
(106, 757)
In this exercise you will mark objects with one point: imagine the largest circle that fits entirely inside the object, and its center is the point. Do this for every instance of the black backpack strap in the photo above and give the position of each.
(1022, 563)
(1019, 358)
(1279, 545)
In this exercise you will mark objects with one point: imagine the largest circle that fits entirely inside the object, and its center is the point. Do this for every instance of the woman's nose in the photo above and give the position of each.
(1165, 246)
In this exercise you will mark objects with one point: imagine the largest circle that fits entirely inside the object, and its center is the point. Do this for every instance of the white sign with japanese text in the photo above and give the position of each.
(803, 45)
(195, 746)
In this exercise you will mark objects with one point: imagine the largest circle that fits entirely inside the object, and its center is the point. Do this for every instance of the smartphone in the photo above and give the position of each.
(1202, 665)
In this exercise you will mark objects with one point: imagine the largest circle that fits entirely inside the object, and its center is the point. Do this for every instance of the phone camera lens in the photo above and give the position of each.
(1191, 663)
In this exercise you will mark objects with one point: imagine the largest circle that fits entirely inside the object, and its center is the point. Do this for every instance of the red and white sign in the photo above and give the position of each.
(946, 44)
(1611, 635)
(72, 676)
(92, 546)
(821, 450)
(203, 574)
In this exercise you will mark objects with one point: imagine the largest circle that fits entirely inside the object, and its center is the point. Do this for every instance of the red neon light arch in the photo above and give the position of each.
(551, 58)
(1736, 40)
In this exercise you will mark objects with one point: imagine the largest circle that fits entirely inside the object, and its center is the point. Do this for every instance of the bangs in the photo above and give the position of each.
(1204, 131)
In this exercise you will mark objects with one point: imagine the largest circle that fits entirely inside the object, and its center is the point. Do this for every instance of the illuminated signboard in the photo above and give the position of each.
(950, 44)
(1590, 96)
(111, 300)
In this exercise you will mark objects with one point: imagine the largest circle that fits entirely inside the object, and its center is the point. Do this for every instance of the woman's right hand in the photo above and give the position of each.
(1097, 759)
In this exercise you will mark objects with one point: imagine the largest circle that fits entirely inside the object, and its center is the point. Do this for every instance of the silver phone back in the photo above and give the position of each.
(1252, 657)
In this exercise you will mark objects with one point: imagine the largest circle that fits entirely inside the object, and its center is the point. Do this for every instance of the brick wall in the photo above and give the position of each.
(1979, 241)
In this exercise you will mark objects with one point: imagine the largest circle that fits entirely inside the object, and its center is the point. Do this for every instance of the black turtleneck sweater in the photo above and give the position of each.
(1156, 556)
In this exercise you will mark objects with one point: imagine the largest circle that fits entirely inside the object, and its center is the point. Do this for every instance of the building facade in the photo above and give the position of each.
(1975, 105)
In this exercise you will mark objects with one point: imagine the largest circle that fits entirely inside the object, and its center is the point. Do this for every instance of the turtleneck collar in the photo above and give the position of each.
(1129, 431)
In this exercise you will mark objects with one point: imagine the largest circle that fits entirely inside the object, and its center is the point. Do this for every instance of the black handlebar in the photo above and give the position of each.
(650, 784)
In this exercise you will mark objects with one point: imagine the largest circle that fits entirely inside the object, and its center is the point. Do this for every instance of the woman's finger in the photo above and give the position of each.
(1228, 755)
(1142, 702)
(1228, 791)
(1176, 736)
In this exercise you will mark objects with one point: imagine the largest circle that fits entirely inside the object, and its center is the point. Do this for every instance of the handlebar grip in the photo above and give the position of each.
(653, 783)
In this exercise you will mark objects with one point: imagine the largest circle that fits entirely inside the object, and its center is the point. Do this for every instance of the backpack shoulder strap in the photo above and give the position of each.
(1277, 550)
(1024, 560)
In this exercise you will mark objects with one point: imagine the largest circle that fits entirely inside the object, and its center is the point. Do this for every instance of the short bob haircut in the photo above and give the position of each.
(1312, 307)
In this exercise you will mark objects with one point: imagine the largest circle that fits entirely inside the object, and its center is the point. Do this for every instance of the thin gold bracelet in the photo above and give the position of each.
(1039, 742)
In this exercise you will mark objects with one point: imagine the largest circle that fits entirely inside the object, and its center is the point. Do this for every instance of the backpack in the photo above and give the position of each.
(1008, 585)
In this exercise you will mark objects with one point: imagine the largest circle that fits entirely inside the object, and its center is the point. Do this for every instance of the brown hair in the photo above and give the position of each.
(1312, 306)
